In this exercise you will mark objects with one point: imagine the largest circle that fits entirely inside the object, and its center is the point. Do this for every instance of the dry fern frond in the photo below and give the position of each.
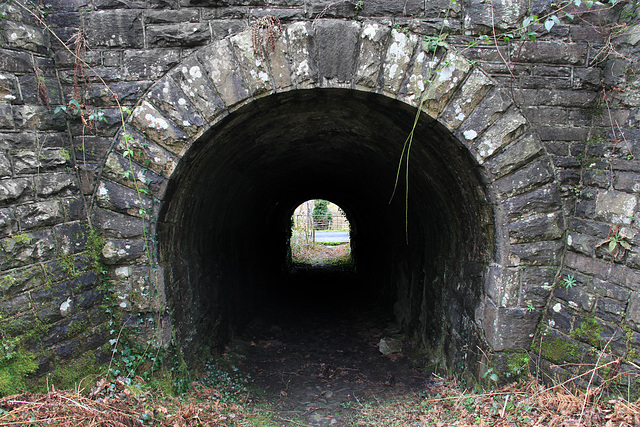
(265, 34)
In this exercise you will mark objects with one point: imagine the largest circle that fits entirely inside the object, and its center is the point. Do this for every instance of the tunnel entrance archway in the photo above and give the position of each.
(224, 230)
(224, 142)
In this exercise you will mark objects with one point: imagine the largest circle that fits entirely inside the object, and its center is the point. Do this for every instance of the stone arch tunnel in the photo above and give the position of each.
(224, 142)
(226, 219)
(231, 143)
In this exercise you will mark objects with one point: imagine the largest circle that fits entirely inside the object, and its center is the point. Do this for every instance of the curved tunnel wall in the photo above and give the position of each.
(224, 229)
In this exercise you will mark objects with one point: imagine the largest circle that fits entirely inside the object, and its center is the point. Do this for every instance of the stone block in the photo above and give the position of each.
(117, 225)
(12, 61)
(122, 199)
(582, 243)
(628, 182)
(336, 43)
(400, 9)
(17, 141)
(397, 59)
(531, 229)
(596, 177)
(284, 14)
(13, 306)
(39, 214)
(171, 16)
(545, 115)
(537, 253)
(541, 200)
(120, 170)
(535, 295)
(21, 37)
(194, 83)
(27, 248)
(584, 208)
(588, 78)
(575, 297)
(331, 9)
(8, 222)
(150, 122)
(614, 336)
(533, 175)
(373, 39)
(67, 5)
(222, 13)
(20, 280)
(5, 166)
(30, 162)
(226, 28)
(16, 189)
(35, 117)
(615, 207)
(173, 104)
(610, 310)
(220, 65)
(120, 251)
(633, 311)
(492, 107)
(502, 285)
(146, 295)
(58, 184)
(36, 91)
(543, 277)
(254, 65)
(587, 265)
(182, 35)
(465, 101)
(301, 53)
(127, 93)
(563, 133)
(514, 156)
(152, 155)
(74, 208)
(279, 65)
(554, 52)
(6, 117)
(624, 276)
(560, 319)
(448, 76)
(148, 64)
(9, 90)
(508, 328)
(91, 148)
(71, 237)
(502, 14)
(610, 290)
(115, 28)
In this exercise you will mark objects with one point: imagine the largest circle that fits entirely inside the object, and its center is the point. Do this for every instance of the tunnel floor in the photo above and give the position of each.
(313, 354)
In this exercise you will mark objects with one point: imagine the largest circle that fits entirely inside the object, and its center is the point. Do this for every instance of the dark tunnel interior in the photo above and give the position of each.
(224, 228)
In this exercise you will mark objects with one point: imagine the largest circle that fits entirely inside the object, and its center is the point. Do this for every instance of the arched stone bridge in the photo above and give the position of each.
(194, 190)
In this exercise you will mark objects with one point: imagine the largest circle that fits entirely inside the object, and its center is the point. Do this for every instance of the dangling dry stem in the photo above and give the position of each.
(265, 34)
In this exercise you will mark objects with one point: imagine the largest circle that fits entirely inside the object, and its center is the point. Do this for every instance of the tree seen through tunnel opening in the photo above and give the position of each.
(320, 236)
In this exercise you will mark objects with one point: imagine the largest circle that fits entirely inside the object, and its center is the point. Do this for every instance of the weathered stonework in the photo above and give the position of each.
(522, 174)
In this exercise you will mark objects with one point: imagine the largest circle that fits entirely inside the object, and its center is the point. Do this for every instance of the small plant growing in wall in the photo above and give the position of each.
(617, 243)
(569, 281)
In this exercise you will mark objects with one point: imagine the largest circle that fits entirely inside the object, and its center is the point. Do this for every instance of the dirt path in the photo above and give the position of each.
(316, 361)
